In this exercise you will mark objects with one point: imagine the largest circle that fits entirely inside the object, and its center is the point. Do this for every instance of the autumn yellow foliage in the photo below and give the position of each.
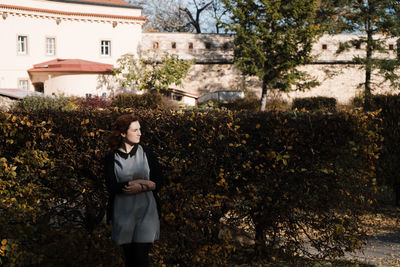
(269, 183)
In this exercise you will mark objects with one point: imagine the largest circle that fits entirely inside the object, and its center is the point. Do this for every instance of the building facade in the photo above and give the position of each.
(214, 70)
(34, 32)
(70, 47)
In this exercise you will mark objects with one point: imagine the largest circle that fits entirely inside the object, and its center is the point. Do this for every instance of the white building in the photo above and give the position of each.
(67, 45)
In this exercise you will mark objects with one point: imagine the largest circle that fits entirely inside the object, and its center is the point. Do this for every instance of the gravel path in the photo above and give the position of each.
(381, 250)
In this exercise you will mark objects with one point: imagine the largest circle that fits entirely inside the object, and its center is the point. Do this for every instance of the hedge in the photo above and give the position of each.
(388, 167)
(284, 181)
(315, 103)
(144, 101)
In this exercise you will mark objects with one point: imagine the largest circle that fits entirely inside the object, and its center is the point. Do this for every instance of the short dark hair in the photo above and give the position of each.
(120, 126)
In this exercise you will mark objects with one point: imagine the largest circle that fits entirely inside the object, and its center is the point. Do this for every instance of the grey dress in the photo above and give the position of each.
(135, 216)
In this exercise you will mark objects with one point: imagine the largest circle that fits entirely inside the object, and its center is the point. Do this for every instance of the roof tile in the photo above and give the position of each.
(71, 65)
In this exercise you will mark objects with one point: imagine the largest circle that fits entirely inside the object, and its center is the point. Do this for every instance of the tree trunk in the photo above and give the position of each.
(368, 67)
(264, 95)
(260, 248)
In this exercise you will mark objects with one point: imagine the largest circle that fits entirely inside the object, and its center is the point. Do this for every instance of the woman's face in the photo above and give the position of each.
(133, 133)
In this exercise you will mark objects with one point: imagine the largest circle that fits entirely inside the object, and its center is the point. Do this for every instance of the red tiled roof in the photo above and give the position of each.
(58, 12)
(71, 65)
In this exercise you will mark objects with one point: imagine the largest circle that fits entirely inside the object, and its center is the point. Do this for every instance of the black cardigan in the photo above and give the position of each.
(113, 187)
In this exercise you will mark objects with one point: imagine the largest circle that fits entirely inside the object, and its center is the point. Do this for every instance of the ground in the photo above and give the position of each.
(381, 250)
(383, 246)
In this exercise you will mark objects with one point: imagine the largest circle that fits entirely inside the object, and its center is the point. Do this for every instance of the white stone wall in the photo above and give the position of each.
(332, 42)
(75, 84)
(220, 46)
(214, 70)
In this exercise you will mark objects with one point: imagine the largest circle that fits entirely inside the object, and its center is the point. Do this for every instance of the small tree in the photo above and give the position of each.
(147, 74)
(272, 39)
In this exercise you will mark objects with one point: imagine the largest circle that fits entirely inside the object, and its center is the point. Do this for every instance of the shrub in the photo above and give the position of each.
(388, 168)
(147, 101)
(31, 103)
(208, 105)
(93, 102)
(357, 101)
(247, 103)
(52, 191)
(289, 180)
(6, 103)
(315, 103)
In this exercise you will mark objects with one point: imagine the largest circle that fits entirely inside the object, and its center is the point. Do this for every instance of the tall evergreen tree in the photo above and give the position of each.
(374, 21)
(273, 38)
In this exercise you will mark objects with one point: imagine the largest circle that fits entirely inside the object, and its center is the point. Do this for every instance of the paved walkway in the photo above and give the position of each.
(381, 250)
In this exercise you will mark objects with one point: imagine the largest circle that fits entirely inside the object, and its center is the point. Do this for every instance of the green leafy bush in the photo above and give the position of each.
(93, 102)
(315, 103)
(282, 180)
(389, 112)
(247, 103)
(31, 103)
(146, 101)
(52, 191)
(149, 73)
(240, 104)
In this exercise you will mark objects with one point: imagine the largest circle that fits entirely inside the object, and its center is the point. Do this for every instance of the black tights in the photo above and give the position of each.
(137, 254)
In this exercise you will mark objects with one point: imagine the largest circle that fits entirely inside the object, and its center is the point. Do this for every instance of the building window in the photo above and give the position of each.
(357, 46)
(177, 97)
(391, 47)
(173, 45)
(105, 48)
(39, 87)
(23, 84)
(155, 45)
(207, 45)
(22, 44)
(226, 46)
(324, 46)
(50, 46)
(190, 45)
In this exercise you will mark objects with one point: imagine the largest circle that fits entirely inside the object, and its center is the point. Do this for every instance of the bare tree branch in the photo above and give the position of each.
(195, 22)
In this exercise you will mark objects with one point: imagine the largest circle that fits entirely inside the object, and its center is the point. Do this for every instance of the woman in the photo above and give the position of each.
(132, 174)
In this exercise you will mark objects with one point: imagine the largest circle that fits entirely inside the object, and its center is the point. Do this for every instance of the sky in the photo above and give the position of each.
(207, 20)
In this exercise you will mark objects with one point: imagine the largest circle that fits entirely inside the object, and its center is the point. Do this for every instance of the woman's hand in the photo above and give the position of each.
(132, 188)
(140, 185)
